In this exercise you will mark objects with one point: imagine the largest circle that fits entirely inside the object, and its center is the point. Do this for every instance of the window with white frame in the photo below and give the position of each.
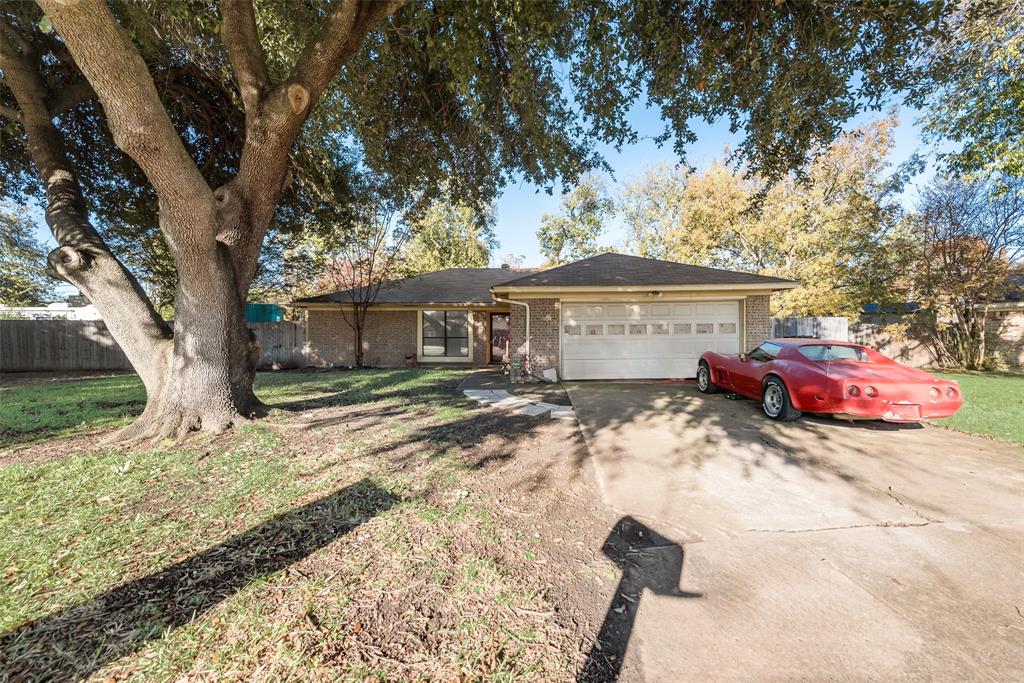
(445, 334)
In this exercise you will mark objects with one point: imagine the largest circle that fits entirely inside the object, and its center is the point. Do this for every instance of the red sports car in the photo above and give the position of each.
(849, 381)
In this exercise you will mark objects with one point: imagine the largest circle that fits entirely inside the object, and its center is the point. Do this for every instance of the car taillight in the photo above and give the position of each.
(854, 390)
(870, 391)
(950, 392)
(934, 393)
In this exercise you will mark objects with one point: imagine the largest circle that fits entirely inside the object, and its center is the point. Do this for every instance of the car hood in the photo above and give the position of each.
(872, 371)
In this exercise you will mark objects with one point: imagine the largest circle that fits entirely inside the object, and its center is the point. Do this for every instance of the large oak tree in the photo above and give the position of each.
(195, 116)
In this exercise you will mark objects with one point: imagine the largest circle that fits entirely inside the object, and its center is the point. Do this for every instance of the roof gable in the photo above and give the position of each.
(622, 270)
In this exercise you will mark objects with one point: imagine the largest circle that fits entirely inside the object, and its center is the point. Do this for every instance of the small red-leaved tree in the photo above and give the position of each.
(370, 257)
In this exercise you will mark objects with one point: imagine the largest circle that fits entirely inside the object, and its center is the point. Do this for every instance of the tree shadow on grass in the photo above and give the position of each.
(74, 642)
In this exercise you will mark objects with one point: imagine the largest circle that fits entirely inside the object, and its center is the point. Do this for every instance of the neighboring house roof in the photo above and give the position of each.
(450, 286)
(621, 270)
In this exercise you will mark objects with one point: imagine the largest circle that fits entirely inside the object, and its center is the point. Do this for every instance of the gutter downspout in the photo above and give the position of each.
(527, 307)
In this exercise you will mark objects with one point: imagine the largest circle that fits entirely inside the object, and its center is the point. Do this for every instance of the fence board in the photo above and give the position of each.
(60, 345)
(813, 327)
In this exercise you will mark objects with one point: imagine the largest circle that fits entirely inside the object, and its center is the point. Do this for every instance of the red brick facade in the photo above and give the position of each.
(387, 337)
(757, 321)
(545, 320)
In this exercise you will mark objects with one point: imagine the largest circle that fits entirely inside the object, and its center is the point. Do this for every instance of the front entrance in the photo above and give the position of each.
(499, 336)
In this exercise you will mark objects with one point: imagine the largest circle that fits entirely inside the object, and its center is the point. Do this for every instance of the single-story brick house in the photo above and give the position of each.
(611, 316)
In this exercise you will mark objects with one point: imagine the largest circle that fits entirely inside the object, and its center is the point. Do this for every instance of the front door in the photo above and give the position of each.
(499, 336)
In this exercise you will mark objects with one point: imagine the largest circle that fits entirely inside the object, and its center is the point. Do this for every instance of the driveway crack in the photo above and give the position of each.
(916, 513)
(875, 525)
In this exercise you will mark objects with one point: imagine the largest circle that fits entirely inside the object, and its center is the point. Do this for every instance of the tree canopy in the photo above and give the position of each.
(828, 229)
(23, 279)
(449, 235)
(573, 232)
(975, 97)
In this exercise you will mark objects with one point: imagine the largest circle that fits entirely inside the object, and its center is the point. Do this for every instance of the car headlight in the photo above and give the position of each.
(870, 391)
(934, 393)
(853, 390)
(950, 392)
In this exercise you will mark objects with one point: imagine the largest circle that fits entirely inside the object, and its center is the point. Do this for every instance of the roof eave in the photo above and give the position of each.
(553, 289)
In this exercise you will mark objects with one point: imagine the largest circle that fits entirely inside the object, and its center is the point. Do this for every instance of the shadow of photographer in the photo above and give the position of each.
(648, 560)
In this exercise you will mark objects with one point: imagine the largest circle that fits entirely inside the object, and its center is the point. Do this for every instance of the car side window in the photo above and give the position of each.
(765, 352)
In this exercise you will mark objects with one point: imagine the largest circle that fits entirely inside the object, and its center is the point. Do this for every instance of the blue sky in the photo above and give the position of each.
(520, 208)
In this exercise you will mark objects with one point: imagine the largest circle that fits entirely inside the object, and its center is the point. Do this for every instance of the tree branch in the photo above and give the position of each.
(68, 98)
(83, 258)
(242, 41)
(10, 113)
(336, 42)
(136, 117)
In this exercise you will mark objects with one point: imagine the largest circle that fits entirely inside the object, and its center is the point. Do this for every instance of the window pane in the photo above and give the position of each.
(638, 329)
(433, 324)
(572, 329)
(457, 347)
(616, 329)
(595, 330)
(683, 328)
(705, 328)
(659, 328)
(433, 346)
(458, 323)
(727, 328)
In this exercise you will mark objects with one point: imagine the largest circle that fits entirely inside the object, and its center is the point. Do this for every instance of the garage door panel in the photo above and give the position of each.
(619, 341)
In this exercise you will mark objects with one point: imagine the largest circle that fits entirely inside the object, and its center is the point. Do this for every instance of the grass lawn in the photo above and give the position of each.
(341, 540)
(993, 405)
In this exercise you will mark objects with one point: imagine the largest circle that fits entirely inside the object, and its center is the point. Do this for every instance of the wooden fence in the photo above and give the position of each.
(65, 345)
(816, 328)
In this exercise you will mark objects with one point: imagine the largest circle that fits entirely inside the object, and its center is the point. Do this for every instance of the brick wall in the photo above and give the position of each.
(479, 329)
(387, 337)
(758, 321)
(545, 318)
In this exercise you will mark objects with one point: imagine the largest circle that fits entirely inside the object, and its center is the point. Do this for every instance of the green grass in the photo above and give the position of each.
(80, 531)
(993, 405)
(54, 409)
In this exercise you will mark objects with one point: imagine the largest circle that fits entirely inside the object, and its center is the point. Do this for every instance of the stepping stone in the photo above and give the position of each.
(550, 406)
(532, 409)
(564, 413)
(512, 402)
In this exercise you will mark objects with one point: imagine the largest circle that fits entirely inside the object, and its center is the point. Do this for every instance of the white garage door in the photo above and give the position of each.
(645, 341)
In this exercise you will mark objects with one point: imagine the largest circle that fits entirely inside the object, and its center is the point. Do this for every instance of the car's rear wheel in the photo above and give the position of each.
(704, 383)
(775, 401)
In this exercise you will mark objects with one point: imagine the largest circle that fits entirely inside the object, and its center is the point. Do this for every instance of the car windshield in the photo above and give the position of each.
(827, 352)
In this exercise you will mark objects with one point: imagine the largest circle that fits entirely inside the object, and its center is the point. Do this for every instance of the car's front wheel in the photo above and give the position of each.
(704, 382)
(775, 401)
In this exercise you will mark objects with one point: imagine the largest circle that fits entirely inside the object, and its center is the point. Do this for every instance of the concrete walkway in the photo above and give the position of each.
(816, 549)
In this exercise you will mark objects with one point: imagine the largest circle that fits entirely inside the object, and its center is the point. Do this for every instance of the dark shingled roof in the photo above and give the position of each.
(450, 286)
(620, 270)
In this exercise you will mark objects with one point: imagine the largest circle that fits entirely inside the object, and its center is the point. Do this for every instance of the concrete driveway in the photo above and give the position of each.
(815, 549)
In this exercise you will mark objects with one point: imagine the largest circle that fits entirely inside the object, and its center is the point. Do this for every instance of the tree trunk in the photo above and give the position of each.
(207, 376)
(358, 351)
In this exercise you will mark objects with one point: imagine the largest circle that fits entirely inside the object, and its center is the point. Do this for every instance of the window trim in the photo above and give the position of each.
(468, 358)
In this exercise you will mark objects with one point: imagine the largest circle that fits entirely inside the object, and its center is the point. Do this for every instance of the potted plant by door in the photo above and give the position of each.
(410, 360)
